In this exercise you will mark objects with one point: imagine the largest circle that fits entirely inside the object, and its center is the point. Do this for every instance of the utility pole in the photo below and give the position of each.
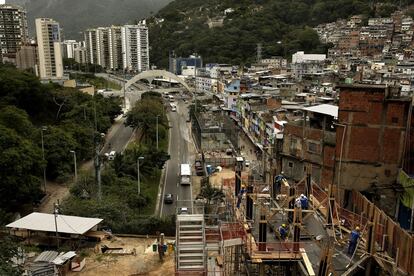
(44, 160)
(157, 130)
(74, 161)
(56, 213)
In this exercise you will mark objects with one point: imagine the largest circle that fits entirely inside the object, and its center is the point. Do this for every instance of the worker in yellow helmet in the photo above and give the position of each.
(353, 240)
(283, 231)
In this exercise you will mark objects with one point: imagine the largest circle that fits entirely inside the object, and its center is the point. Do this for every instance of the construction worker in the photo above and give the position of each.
(298, 203)
(304, 202)
(283, 231)
(278, 181)
(353, 240)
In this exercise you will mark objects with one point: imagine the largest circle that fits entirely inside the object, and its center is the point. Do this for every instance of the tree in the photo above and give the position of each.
(21, 167)
(144, 116)
(58, 144)
(9, 249)
(16, 119)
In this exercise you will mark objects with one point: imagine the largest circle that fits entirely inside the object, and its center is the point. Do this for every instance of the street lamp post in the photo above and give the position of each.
(157, 130)
(74, 161)
(138, 176)
(44, 160)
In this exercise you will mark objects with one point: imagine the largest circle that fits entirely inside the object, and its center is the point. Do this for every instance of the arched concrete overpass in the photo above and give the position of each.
(150, 75)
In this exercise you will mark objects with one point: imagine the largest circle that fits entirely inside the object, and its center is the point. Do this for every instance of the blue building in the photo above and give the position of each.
(176, 64)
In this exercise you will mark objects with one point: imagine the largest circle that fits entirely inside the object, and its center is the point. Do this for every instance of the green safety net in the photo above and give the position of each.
(407, 198)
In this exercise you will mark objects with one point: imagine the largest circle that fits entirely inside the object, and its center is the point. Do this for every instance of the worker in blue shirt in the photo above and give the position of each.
(304, 202)
(283, 231)
(353, 240)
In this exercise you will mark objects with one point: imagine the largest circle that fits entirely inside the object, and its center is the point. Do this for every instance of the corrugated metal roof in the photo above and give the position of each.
(46, 223)
(46, 256)
(63, 257)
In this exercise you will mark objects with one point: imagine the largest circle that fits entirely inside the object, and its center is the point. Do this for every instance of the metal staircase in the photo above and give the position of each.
(190, 253)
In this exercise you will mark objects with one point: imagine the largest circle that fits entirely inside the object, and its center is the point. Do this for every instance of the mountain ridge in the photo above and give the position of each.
(75, 16)
(282, 27)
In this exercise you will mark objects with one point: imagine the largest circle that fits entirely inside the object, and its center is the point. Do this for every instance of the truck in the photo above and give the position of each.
(185, 174)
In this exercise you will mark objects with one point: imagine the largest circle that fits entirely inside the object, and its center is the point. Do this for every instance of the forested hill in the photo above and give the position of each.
(281, 26)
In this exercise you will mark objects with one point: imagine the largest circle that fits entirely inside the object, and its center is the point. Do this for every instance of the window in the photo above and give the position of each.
(313, 147)
(290, 164)
(394, 120)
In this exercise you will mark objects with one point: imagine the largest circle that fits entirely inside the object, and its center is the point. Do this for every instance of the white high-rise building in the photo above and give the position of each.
(135, 47)
(116, 47)
(92, 45)
(69, 47)
(49, 49)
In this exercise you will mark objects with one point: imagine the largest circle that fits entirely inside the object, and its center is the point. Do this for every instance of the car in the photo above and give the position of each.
(246, 163)
(183, 211)
(168, 199)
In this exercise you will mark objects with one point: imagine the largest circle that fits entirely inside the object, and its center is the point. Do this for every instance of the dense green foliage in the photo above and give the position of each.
(98, 82)
(281, 26)
(71, 64)
(9, 249)
(122, 208)
(68, 115)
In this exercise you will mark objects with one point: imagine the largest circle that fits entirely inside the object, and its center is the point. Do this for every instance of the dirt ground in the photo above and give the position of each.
(146, 262)
(56, 192)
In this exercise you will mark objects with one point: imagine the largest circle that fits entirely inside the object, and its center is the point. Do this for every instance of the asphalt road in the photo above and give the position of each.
(118, 137)
(179, 153)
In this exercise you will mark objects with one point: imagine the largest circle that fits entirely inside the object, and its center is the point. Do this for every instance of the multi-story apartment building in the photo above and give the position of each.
(135, 47)
(178, 64)
(49, 50)
(13, 31)
(69, 47)
(26, 57)
(118, 47)
(80, 55)
(92, 46)
(115, 48)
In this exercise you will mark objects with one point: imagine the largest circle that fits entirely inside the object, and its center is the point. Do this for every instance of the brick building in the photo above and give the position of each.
(370, 142)
(310, 142)
(360, 147)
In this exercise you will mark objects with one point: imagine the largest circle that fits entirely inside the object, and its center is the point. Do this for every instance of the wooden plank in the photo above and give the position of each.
(307, 262)
(354, 267)
(276, 256)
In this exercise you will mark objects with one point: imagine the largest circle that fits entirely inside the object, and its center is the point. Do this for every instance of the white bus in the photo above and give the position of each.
(185, 174)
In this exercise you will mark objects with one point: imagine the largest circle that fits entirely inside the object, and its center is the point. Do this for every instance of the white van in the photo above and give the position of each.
(111, 155)
(185, 174)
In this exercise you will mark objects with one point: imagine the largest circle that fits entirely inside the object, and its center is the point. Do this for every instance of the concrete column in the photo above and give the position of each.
(239, 167)
(249, 203)
(262, 233)
(292, 192)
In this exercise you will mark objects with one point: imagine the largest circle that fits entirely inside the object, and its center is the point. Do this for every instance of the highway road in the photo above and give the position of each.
(180, 152)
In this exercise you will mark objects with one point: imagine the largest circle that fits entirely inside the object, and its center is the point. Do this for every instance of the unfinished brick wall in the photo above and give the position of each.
(374, 138)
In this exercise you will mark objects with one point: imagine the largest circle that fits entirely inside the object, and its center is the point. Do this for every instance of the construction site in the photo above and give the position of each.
(238, 235)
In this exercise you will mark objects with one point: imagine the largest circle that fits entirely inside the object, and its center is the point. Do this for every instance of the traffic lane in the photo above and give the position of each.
(118, 137)
(185, 192)
(172, 168)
